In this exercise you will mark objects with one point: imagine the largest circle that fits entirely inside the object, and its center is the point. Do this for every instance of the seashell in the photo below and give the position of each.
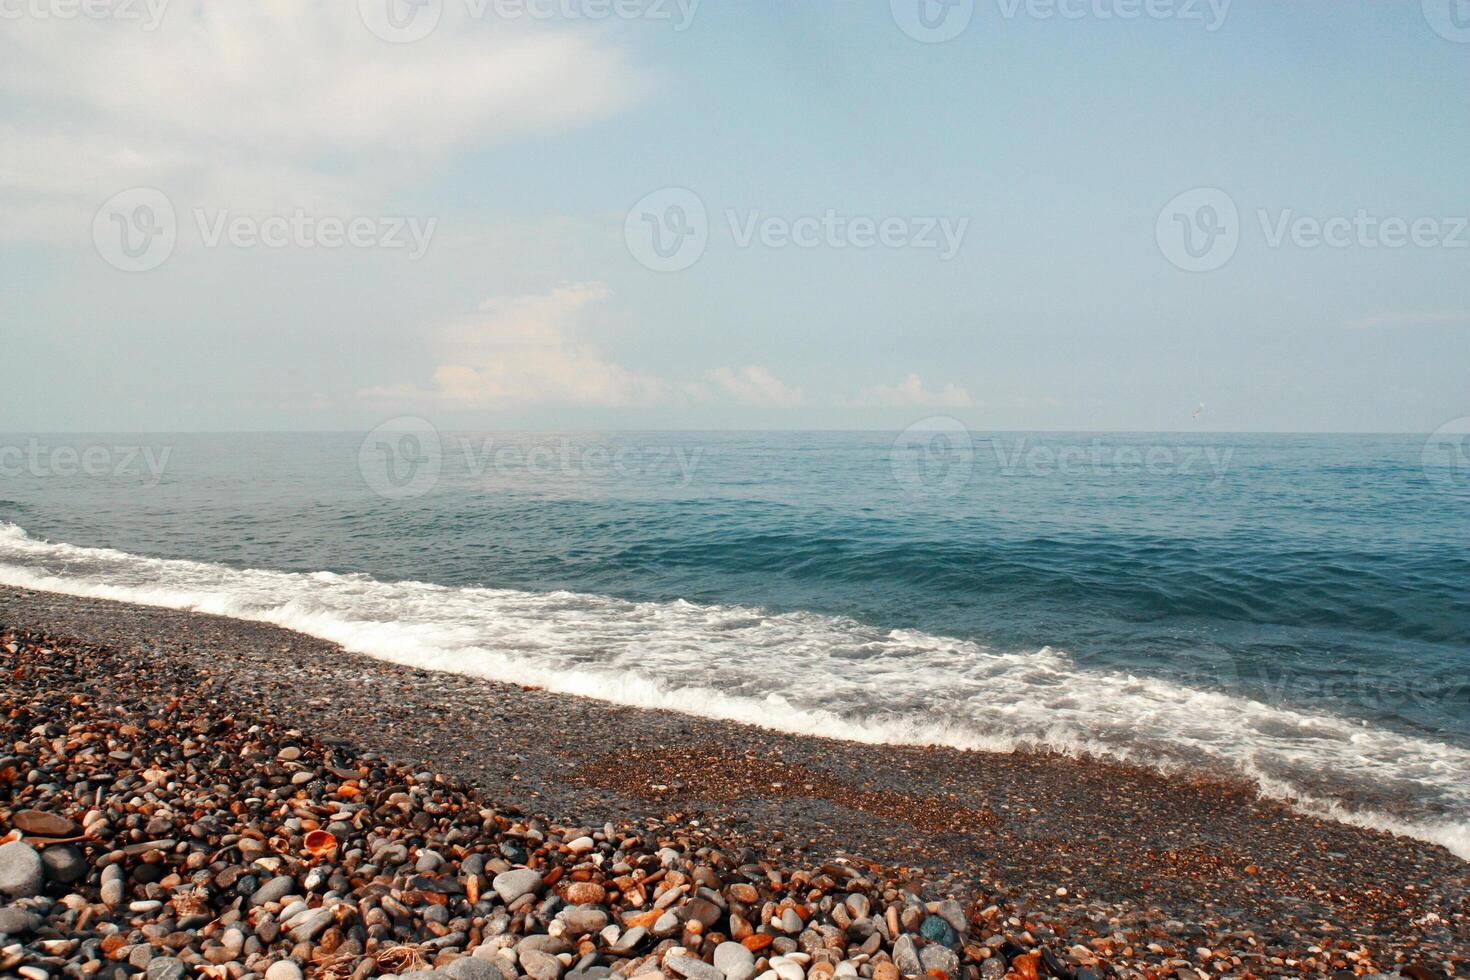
(319, 843)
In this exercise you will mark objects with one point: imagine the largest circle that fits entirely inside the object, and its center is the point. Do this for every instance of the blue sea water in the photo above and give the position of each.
(1292, 609)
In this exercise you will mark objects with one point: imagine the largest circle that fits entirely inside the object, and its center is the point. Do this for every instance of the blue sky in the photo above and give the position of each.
(1058, 152)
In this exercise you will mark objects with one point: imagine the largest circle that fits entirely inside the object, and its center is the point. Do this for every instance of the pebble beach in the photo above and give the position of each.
(187, 795)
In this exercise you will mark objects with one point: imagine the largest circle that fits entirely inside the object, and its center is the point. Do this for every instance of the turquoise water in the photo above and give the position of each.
(1290, 608)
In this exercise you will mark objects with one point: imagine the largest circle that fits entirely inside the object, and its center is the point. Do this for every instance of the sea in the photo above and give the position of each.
(1291, 610)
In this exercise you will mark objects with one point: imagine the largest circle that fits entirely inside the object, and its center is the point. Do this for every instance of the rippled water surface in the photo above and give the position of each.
(1290, 608)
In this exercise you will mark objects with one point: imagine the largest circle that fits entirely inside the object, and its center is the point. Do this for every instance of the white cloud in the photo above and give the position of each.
(531, 350)
(755, 385)
(272, 104)
(523, 350)
(910, 393)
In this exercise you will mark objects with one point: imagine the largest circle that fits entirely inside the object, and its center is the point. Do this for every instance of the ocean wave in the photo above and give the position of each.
(806, 673)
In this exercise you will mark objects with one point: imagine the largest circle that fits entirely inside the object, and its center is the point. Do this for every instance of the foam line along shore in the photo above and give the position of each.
(810, 674)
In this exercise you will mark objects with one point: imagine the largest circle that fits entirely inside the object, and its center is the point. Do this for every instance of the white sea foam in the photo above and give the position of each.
(807, 674)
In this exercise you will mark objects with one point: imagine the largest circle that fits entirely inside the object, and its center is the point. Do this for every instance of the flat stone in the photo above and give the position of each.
(703, 911)
(21, 872)
(274, 890)
(734, 961)
(539, 965)
(511, 885)
(164, 968)
(581, 921)
(18, 922)
(283, 970)
(308, 925)
(694, 969)
(470, 968)
(954, 913)
(629, 940)
(64, 863)
(38, 823)
(906, 956)
(787, 968)
(542, 943)
(666, 925)
(937, 957)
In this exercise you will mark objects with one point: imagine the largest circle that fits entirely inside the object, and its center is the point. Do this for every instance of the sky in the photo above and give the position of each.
(635, 214)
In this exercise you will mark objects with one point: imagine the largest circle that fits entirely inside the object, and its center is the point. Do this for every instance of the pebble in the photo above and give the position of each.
(540, 966)
(21, 873)
(734, 961)
(309, 924)
(581, 921)
(165, 968)
(64, 863)
(511, 885)
(283, 970)
(906, 956)
(936, 929)
(17, 921)
(38, 823)
(695, 969)
(469, 968)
